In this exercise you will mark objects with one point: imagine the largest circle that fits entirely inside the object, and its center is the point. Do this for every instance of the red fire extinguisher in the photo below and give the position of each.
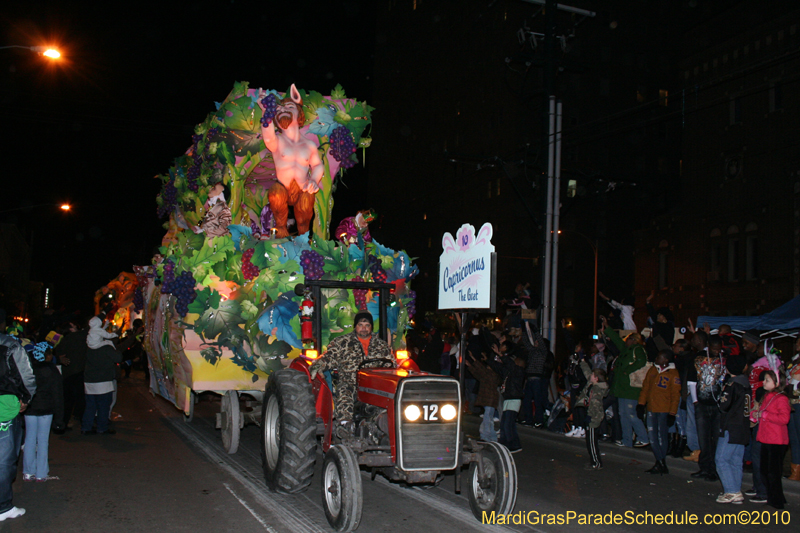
(306, 327)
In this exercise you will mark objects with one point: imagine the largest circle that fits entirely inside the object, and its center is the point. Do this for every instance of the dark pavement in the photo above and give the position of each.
(159, 473)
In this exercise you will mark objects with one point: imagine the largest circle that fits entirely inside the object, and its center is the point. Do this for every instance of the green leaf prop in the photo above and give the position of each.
(211, 354)
(265, 255)
(338, 93)
(288, 275)
(212, 252)
(215, 321)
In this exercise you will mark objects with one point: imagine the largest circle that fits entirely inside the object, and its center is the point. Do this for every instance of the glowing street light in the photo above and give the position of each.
(46, 51)
(63, 207)
(52, 53)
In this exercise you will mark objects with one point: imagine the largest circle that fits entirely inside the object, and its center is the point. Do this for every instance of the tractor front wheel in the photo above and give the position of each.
(495, 490)
(341, 488)
(288, 432)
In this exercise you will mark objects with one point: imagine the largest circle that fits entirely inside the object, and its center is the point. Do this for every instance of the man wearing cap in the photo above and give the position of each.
(17, 387)
(345, 354)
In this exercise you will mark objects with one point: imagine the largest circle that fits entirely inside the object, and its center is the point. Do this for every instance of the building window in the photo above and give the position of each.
(716, 255)
(733, 259)
(572, 188)
(663, 281)
(775, 98)
(751, 252)
(663, 97)
(733, 253)
(736, 111)
(497, 187)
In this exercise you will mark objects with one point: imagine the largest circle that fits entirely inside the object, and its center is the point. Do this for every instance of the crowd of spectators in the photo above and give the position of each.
(48, 378)
(724, 400)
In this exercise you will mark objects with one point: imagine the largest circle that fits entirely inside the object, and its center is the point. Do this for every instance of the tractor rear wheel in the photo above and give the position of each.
(496, 490)
(341, 488)
(288, 432)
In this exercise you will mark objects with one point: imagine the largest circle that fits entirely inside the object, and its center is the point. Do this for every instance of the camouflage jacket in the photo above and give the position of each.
(345, 353)
(597, 392)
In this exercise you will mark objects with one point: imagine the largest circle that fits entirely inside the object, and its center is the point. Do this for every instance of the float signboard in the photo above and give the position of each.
(467, 270)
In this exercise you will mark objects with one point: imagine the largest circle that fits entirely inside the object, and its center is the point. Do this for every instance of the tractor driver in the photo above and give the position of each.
(344, 354)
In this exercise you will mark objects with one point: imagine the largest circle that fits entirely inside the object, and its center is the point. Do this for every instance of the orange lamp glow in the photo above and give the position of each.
(312, 354)
(402, 354)
(66, 207)
(52, 53)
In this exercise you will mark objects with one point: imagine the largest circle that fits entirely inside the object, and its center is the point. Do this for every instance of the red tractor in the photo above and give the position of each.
(408, 428)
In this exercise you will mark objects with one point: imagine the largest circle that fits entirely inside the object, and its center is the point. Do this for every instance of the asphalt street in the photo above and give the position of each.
(160, 473)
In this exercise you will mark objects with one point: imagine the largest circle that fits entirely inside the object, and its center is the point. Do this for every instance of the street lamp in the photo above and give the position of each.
(593, 244)
(63, 207)
(47, 51)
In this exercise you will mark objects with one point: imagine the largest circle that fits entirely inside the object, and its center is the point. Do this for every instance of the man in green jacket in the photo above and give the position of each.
(631, 358)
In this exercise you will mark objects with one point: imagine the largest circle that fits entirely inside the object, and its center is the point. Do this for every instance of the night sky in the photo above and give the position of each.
(94, 128)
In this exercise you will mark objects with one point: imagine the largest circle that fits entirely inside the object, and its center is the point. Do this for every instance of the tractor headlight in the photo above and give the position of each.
(449, 412)
(412, 413)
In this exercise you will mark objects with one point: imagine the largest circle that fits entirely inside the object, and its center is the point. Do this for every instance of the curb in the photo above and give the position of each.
(612, 450)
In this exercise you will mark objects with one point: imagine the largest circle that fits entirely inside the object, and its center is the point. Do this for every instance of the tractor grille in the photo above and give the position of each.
(430, 443)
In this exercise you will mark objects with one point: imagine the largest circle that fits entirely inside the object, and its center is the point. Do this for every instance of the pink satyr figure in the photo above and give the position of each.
(297, 165)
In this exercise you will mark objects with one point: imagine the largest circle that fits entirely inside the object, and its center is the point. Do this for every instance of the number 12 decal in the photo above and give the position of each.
(430, 411)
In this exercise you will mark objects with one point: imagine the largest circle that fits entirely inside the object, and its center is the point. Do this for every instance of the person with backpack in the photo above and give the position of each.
(17, 387)
(632, 357)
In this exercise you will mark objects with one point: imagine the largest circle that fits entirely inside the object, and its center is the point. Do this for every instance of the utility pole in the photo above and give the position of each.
(552, 201)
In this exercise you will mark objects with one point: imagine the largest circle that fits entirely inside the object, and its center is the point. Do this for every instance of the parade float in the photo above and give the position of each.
(223, 300)
(116, 299)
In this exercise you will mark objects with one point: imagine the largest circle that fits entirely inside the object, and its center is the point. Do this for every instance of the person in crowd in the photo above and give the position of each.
(597, 355)
(612, 423)
(444, 360)
(663, 328)
(99, 377)
(729, 341)
(793, 391)
(47, 405)
(626, 312)
(71, 353)
(680, 431)
(577, 382)
(660, 397)
(757, 352)
(734, 430)
(135, 355)
(17, 387)
(773, 418)
(478, 345)
(430, 360)
(705, 378)
(697, 346)
(98, 336)
(488, 396)
(455, 368)
(512, 378)
(750, 345)
(536, 385)
(598, 390)
(632, 357)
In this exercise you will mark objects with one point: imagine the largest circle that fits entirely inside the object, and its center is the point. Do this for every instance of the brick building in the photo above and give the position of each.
(732, 244)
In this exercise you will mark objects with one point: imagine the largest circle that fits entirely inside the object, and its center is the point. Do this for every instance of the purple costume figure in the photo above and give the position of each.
(350, 227)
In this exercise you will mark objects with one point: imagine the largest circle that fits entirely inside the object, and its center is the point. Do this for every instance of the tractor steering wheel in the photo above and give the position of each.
(384, 362)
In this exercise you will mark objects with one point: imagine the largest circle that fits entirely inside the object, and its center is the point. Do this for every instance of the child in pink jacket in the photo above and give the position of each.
(773, 434)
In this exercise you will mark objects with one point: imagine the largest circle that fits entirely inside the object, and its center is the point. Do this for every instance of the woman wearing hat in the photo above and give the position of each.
(48, 402)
